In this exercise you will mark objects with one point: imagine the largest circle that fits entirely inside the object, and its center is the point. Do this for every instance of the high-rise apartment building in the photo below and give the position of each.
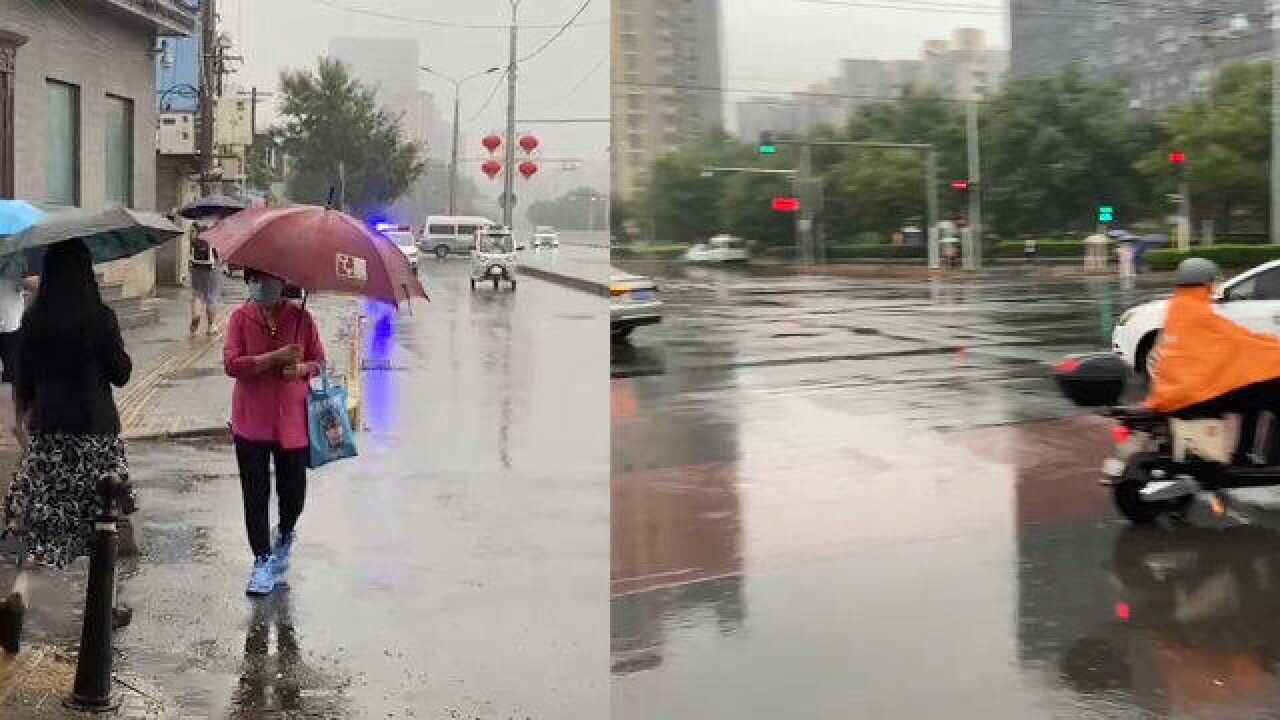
(666, 80)
(1166, 53)
(391, 66)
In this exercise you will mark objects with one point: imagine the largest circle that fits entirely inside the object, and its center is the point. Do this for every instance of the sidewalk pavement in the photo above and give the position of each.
(581, 267)
(34, 683)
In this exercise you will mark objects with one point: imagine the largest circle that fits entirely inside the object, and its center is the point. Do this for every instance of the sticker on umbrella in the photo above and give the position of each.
(352, 268)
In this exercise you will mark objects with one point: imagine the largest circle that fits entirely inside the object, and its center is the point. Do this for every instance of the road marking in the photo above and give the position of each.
(134, 402)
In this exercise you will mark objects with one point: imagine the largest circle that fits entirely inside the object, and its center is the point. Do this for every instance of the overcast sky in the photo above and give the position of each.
(783, 45)
(274, 34)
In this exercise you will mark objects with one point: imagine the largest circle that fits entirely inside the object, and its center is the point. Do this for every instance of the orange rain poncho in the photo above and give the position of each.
(1203, 355)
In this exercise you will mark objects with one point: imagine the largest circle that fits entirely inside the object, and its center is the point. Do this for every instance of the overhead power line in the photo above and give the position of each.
(556, 35)
(439, 23)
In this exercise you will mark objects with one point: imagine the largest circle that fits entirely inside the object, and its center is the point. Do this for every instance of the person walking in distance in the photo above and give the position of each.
(205, 282)
(272, 349)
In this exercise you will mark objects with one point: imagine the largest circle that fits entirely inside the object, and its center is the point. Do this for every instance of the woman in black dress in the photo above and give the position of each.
(70, 353)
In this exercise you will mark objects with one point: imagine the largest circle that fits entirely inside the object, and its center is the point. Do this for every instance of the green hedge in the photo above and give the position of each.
(1234, 257)
(649, 252)
(1044, 248)
(877, 252)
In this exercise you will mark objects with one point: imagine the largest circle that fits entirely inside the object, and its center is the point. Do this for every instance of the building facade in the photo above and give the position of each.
(1165, 53)
(962, 67)
(666, 83)
(78, 116)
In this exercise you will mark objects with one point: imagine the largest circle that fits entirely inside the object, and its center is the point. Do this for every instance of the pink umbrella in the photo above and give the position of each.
(317, 249)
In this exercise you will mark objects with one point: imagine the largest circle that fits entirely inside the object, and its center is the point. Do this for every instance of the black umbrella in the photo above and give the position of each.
(213, 206)
(111, 233)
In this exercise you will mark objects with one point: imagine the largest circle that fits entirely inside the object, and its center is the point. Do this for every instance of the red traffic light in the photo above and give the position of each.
(786, 204)
(959, 184)
(1178, 158)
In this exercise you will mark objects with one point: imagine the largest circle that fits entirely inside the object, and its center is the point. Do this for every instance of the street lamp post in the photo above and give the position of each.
(453, 154)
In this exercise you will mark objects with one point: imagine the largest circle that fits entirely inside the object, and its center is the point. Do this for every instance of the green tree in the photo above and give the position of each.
(1056, 147)
(1227, 140)
(334, 126)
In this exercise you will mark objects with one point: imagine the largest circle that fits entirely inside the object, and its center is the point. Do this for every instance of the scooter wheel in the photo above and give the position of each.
(1127, 497)
(473, 284)
(495, 284)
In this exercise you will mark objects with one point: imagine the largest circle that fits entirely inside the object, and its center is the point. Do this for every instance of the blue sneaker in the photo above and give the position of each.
(283, 551)
(263, 579)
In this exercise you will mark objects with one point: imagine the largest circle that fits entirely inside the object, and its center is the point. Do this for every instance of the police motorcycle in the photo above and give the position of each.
(1161, 464)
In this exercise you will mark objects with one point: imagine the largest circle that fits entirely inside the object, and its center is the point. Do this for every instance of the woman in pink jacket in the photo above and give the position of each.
(272, 350)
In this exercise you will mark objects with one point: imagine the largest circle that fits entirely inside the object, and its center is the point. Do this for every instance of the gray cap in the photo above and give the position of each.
(1197, 271)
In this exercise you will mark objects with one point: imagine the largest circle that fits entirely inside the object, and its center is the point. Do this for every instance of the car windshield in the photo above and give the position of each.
(403, 239)
(495, 244)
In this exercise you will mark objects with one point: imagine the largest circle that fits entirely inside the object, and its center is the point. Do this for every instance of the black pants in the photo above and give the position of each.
(254, 459)
(8, 355)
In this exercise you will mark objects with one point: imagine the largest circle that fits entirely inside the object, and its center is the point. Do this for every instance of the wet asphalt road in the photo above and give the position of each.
(853, 498)
(454, 570)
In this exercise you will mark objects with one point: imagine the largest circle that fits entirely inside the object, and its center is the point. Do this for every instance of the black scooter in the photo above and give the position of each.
(1148, 479)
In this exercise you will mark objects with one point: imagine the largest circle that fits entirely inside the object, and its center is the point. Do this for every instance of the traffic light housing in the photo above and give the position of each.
(1178, 158)
(1106, 214)
(767, 146)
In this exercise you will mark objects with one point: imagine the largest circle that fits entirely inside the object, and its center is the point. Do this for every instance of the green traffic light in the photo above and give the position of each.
(768, 149)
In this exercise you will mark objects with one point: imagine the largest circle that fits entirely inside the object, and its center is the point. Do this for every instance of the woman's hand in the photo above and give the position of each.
(296, 371)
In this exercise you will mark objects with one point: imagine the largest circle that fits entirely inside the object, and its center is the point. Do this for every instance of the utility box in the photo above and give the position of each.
(176, 134)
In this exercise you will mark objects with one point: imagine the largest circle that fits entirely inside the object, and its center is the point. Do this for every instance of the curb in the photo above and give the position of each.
(211, 431)
(575, 283)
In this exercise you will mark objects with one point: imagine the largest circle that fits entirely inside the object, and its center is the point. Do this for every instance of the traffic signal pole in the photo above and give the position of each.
(973, 253)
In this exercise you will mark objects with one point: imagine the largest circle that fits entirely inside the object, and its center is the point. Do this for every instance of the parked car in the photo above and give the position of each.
(633, 303)
(720, 249)
(403, 237)
(544, 236)
(445, 234)
(1251, 299)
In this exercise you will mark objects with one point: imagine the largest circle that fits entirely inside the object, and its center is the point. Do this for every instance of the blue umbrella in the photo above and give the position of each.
(111, 233)
(18, 215)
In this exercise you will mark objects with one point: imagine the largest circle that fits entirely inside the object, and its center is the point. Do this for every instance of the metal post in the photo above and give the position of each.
(453, 161)
(342, 186)
(92, 690)
(804, 218)
(931, 202)
(973, 254)
(1275, 122)
(1184, 216)
(208, 75)
(508, 177)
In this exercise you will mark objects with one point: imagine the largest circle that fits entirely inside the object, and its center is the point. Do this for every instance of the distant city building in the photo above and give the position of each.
(1166, 54)
(960, 68)
(666, 71)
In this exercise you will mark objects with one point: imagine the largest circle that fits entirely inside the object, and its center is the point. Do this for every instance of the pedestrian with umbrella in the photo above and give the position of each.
(273, 350)
(15, 216)
(206, 286)
(70, 354)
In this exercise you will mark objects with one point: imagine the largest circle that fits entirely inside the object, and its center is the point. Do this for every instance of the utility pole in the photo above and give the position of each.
(804, 218)
(931, 208)
(453, 154)
(209, 77)
(508, 177)
(973, 254)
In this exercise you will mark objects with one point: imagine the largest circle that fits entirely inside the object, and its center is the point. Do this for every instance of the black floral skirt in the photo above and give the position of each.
(54, 497)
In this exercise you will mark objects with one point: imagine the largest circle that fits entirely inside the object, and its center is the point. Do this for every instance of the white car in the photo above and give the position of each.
(720, 249)
(1251, 299)
(544, 236)
(633, 303)
(404, 239)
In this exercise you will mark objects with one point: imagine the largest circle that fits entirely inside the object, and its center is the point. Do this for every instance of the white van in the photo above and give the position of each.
(446, 234)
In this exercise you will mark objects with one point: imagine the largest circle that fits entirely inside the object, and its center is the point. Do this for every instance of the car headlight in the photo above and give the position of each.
(1125, 318)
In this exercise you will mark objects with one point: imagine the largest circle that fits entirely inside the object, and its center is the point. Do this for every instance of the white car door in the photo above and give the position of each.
(1255, 302)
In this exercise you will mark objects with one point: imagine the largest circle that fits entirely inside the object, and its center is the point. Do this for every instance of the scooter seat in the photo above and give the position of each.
(1135, 412)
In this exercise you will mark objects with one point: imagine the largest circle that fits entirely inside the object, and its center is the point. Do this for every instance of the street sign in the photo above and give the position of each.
(786, 204)
(1106, 214)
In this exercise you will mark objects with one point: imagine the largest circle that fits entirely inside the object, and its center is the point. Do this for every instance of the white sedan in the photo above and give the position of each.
(1251, 299)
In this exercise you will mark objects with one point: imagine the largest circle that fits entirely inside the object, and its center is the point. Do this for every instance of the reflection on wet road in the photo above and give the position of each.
(452, 570)
(853, 498)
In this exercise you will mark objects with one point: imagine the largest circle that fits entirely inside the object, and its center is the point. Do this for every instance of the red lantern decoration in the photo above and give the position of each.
(491, 168)
(491, 142)
(528, 169)
(528, 143)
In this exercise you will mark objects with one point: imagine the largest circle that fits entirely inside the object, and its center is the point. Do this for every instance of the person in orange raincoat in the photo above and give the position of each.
(1205, 363)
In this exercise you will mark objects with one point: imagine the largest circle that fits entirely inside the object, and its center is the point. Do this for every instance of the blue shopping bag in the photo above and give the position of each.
(328, 424)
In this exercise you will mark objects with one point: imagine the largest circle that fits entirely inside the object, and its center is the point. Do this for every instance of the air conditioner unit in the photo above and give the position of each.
(177, 134)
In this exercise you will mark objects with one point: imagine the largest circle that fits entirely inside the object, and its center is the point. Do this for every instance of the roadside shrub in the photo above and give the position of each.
(1235, 257)
(877, 252)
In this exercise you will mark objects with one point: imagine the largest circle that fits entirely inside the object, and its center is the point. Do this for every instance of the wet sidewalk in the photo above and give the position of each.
(34, 683)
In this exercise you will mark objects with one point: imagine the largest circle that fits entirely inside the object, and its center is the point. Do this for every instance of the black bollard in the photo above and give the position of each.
(92, 692)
